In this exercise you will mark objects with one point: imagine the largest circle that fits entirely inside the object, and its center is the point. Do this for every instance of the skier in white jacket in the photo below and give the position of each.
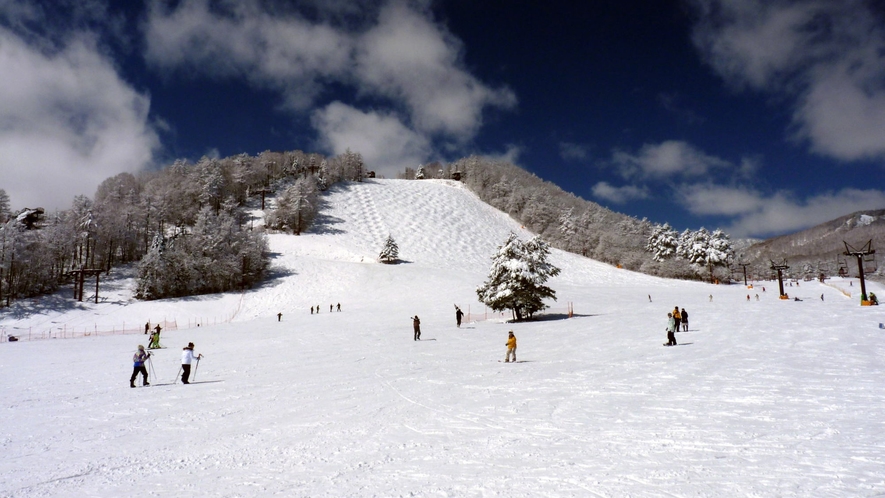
(187, 357)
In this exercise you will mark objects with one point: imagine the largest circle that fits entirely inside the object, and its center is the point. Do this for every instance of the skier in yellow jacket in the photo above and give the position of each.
(511, 348)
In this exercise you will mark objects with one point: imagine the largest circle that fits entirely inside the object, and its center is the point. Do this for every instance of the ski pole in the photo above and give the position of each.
(195, 368)
(177, 376)
(151, 366)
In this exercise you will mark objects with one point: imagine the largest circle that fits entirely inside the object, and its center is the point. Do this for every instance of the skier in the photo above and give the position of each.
(330, 308)
(671, 330)
(511, 348)
(158, 328)
(339, 307)
(684, 320)
(279, 317)
(147, 326)
(138, 359)
(311, 310)
(187, 357)
(458, 315)
(416, 324)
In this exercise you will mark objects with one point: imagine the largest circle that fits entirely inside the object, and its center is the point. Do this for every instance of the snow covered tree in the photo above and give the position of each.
(517, 277)
(663, 242)
(419, 175)
(390, 251)
(5, 211)
(296, 207)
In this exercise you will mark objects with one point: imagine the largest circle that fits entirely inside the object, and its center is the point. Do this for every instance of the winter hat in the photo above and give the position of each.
(140, 347)
(190, 345)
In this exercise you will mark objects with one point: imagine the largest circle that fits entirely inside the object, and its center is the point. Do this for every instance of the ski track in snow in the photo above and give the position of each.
(766, 398)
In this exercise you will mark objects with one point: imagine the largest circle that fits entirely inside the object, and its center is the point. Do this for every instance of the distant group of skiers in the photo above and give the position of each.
(141, 357)
(331, 307)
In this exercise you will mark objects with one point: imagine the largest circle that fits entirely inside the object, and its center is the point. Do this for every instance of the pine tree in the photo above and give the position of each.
(390, 251)
(517, 277)
(663, 242)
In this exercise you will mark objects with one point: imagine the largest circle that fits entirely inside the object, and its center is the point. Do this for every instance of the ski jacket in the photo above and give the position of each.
(139, 358)
(684, 316)
(671, 324)
(187, 357)
(676, 315)
(511, 342)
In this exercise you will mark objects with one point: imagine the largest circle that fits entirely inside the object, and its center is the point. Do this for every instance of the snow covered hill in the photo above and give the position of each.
(764, 397)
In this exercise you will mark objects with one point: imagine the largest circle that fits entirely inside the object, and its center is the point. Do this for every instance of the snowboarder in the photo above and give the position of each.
(511, 348)
(416, 324)
(138, 359)
(684, 320)
(671, 330)
(187, 357)
(279, 317)
(458, 315)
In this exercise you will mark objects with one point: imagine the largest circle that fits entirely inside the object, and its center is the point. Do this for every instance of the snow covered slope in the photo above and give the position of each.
(762, 398)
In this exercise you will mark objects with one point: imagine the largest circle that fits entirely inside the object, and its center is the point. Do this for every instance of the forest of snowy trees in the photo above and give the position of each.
(573, 224)
(185, 225)
(188, 229)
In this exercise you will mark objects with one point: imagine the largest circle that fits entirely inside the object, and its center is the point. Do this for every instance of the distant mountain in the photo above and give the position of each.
(820, 249)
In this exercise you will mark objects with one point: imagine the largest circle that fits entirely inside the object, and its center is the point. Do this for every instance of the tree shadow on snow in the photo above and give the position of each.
(553, 316)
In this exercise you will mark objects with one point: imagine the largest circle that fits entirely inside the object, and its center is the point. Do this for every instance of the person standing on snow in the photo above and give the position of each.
(187, 357)
(677, 316)
(416, 324)
(671, 330)
(138, 359)
(511, 348)
(458, 315)
(684, 315)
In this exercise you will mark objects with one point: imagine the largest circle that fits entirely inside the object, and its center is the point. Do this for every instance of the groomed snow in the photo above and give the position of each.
(761, 398)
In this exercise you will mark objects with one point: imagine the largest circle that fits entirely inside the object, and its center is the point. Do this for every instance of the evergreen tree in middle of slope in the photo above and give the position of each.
(390, 251)
(517, 277)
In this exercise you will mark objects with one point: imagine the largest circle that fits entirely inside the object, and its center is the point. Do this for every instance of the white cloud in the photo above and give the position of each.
(619, 195)
(667, 159)
(408, 58)
(756, 214)
(285, 53)
(574, 152)
(399, 58)
(386, 144)
(67, 122)
(827, 57)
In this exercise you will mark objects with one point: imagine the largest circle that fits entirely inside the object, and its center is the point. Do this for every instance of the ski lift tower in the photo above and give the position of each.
(780, 267)
(743, 263)
(861, 254)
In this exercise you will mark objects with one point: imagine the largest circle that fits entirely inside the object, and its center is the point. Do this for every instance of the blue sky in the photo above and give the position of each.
(760, 117)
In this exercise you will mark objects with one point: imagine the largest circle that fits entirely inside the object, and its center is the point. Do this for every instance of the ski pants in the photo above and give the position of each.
(135, 372)
(671, 338)
(185, 372)
(510, 351)
(417, 333)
